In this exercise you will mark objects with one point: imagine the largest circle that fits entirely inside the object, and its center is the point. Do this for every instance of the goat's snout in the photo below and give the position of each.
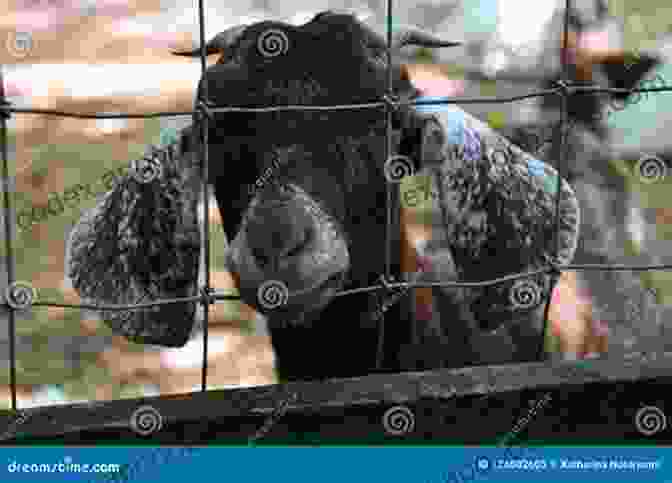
(289, 241)
(279, 232)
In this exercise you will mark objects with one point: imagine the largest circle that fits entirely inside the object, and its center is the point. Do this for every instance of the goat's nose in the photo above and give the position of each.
(277, 232)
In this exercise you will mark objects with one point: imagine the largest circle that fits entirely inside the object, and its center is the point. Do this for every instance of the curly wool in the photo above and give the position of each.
(141, 243)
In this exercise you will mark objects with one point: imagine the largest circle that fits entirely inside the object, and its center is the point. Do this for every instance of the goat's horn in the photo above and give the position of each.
(218, 44)
(416, 36)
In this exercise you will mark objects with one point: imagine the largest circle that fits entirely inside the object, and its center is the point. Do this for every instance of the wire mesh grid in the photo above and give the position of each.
(202, 115)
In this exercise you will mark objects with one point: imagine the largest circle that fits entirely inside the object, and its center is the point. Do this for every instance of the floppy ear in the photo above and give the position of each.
(421, 138)
(141, 243)
(494, 216)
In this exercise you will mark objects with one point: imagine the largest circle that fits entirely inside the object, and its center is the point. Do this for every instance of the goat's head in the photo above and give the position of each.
(302, 193)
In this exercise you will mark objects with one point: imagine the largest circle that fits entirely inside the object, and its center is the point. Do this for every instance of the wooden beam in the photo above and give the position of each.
(368, 390)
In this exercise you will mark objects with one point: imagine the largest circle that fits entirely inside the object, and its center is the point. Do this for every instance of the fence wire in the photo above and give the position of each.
(202, 116)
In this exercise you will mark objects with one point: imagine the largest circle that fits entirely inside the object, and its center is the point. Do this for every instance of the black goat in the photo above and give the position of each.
(316, 222)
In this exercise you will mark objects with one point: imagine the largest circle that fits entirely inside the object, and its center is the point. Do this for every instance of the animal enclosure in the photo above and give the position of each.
(240, 410)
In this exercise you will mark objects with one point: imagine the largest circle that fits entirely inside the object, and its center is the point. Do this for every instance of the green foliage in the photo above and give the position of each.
(424, 55)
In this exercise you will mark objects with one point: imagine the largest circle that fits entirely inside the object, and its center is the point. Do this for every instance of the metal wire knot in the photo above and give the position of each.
(4, 109)
(391, 102)
(565, 89)
(203, 110)
(208, 297)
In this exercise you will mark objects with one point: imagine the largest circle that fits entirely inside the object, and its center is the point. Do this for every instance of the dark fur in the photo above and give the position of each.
(317, 223)
(336, 157)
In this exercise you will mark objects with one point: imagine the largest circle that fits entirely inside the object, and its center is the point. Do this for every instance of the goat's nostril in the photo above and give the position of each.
(261, 257)
(278, 232)
(301, 243)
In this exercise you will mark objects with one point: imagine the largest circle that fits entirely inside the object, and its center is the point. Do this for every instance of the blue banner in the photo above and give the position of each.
(335, 464)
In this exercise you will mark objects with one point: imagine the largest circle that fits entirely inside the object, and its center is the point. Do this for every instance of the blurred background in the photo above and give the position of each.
(92, 56)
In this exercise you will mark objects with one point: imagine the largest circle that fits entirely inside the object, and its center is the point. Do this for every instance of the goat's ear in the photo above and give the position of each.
(422, 136)
(422, 139)
(432, 142)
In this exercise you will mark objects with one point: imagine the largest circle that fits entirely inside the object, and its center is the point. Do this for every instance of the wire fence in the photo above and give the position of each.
(20, 296)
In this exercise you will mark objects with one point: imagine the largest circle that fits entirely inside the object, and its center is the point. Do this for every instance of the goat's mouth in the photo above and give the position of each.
(284, 305)
(306, 284)
(312, 299)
